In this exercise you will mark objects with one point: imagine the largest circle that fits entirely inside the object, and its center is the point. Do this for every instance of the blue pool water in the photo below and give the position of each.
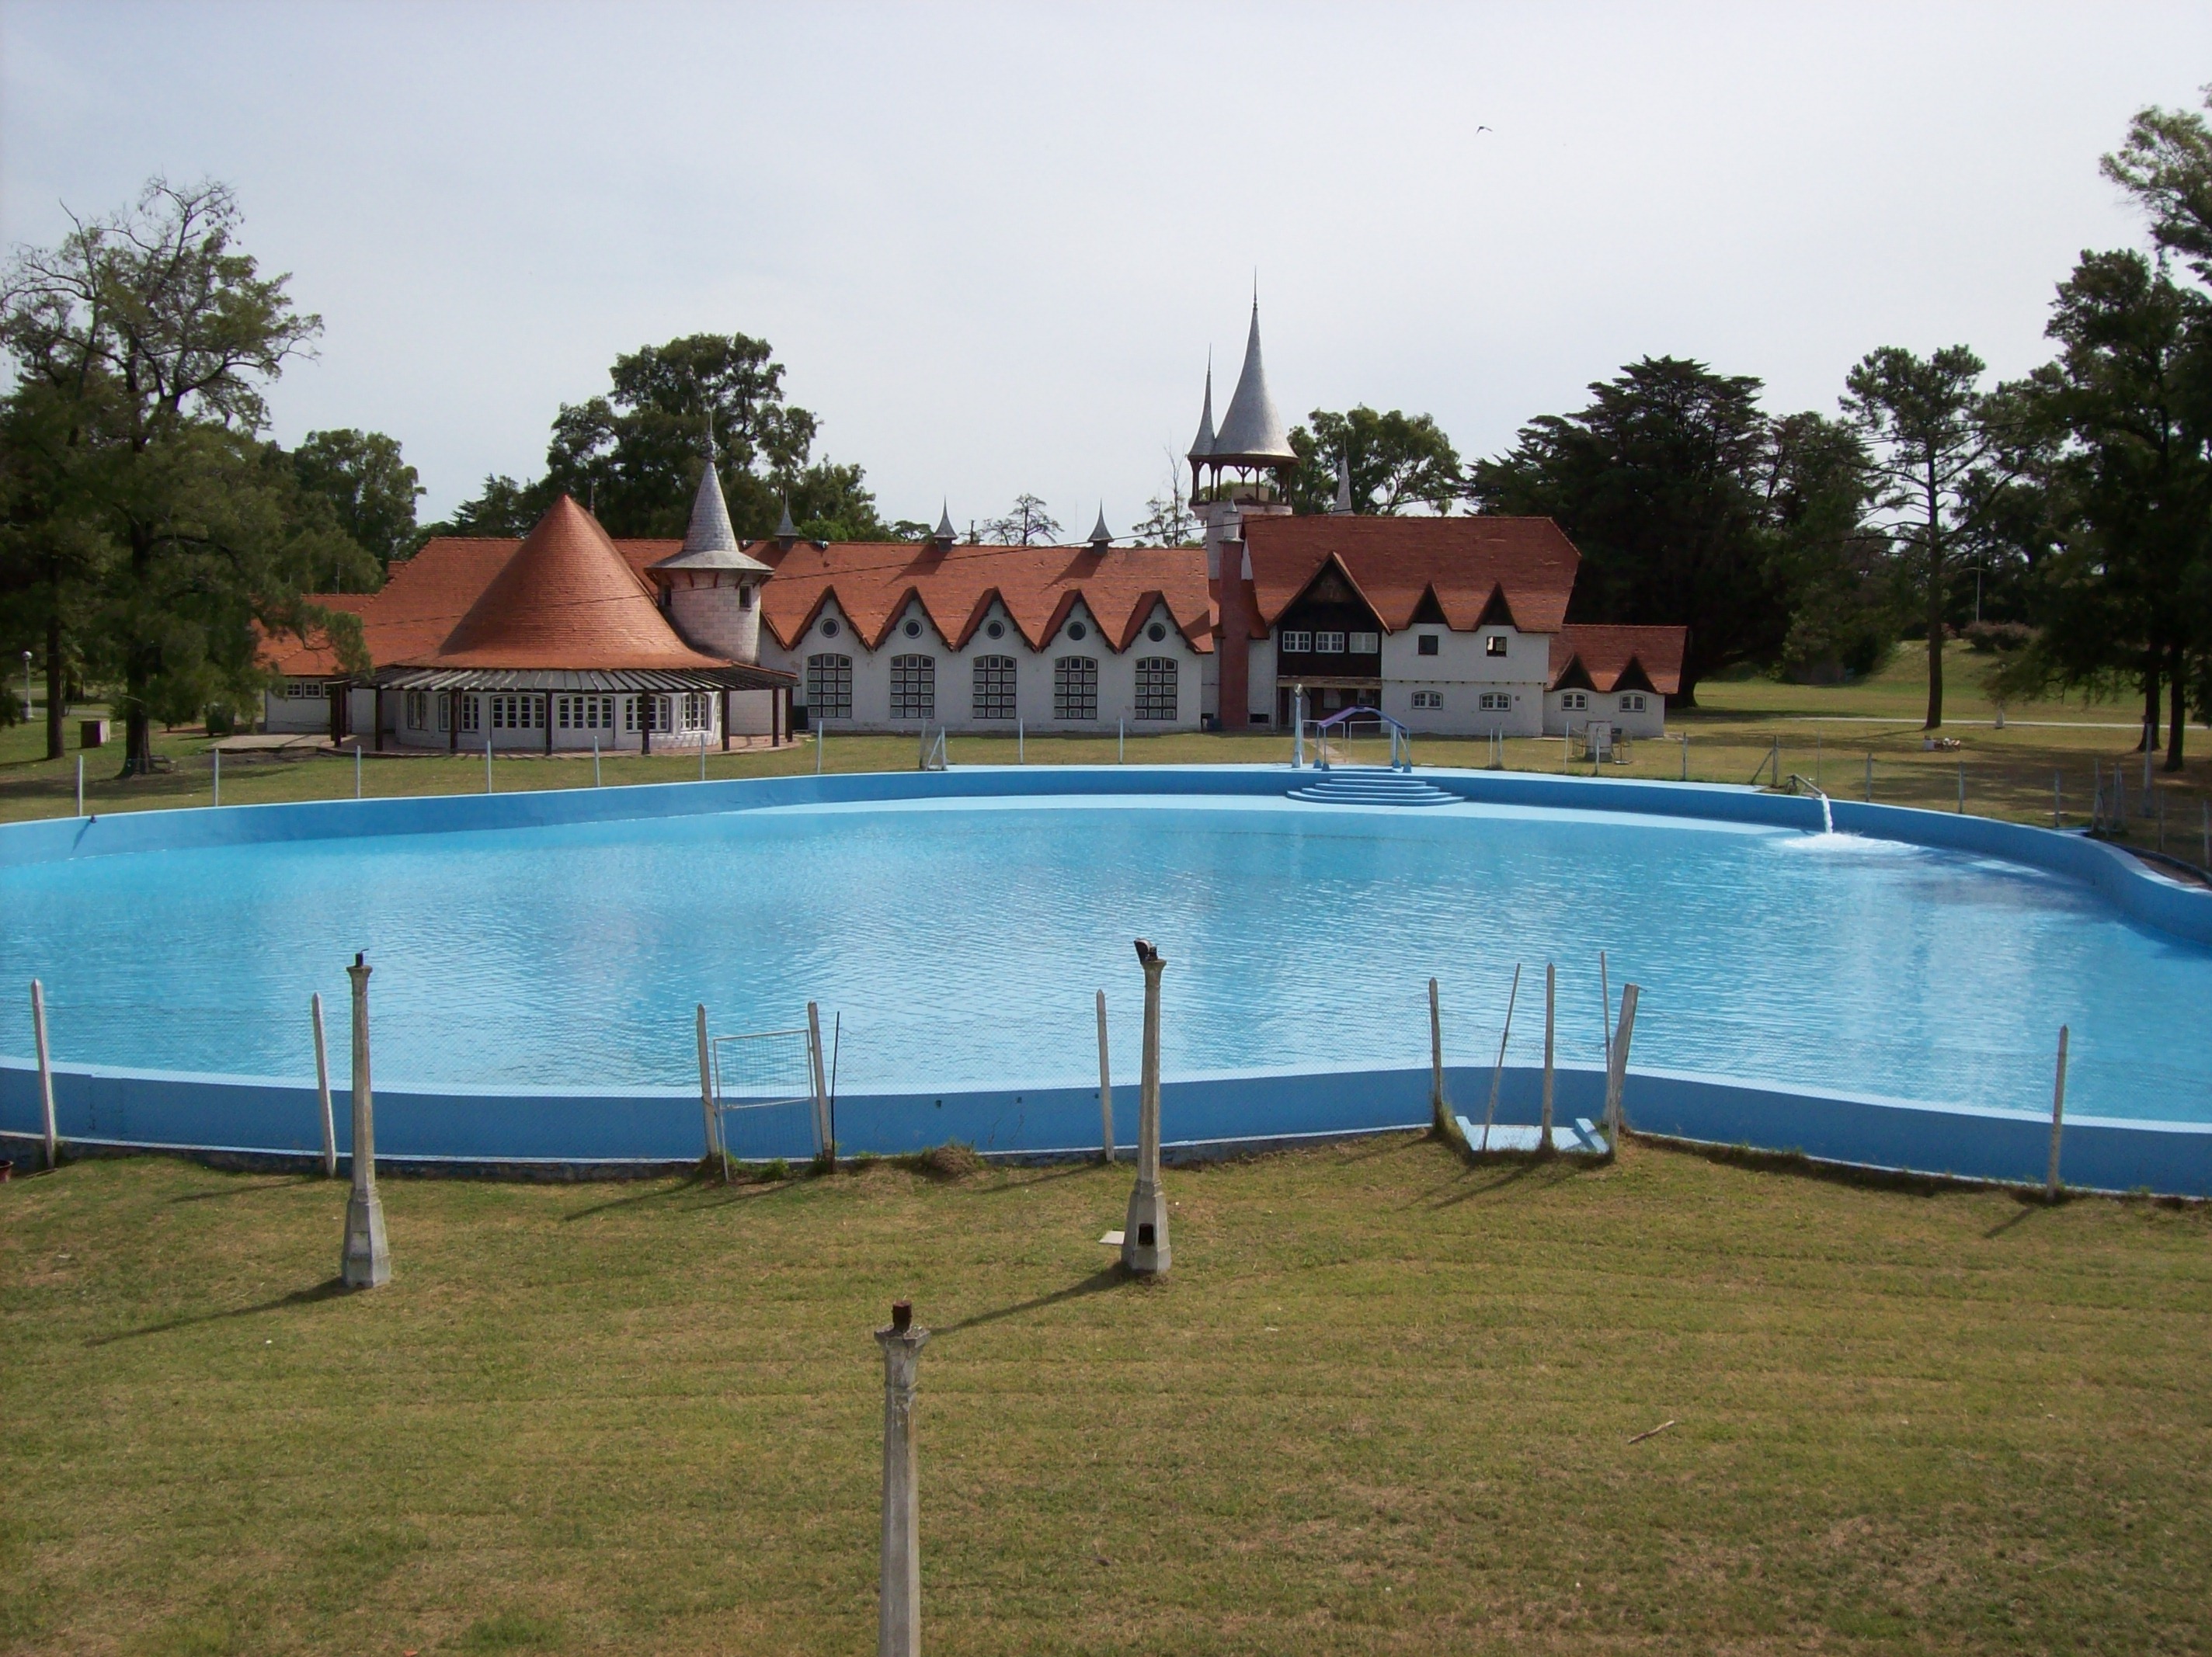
(960, 941)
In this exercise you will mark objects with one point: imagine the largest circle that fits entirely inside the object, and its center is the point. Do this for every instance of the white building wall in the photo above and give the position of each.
(1259, 682)
(282, 712)
(1614, 708)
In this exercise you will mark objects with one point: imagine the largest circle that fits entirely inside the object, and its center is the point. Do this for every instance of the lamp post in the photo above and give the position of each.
(1144, 1232)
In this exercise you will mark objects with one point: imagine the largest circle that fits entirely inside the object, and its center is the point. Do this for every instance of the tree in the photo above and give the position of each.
(2118, 602)
(1398, 460)
(1933, 451)
(2166, 164)
(1661, 481)
(371, 489)
(1834, 569)
(1026, 524)
(502, 508)
(143, 343)
(1168, 520)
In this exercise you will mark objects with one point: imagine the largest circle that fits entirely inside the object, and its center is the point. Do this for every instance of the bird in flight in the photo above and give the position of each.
(1484, 128)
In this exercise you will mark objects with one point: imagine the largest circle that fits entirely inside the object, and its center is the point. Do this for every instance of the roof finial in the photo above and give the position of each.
(1101, 537)
(945, 533)
(710, 434)
(786, 531)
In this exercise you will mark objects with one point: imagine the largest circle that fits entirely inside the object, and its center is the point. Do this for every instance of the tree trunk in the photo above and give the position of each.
(2175, 679)
(56, 711)
(1934, 644)
(2147, 737)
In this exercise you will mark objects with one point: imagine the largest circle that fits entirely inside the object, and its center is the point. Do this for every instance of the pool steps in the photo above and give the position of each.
(1582, 1139)
(1363, 787)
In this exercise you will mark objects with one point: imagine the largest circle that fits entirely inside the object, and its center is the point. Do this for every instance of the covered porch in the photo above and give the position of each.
(519, 710)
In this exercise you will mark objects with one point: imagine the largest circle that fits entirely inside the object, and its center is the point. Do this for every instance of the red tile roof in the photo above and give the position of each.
(1606, 653)
(1394, 562)
(566, 599)
(873, 582)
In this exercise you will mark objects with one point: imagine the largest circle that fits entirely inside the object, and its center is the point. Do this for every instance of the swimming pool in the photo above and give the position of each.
(955, 932)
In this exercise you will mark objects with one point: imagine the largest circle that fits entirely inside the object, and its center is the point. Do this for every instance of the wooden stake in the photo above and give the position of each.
(1440, 1111)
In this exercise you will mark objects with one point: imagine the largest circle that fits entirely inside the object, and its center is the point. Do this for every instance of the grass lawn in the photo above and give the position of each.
(1827, 733)
(1384, 1405)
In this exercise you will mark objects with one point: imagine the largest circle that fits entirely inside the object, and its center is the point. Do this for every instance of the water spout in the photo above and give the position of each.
(1827, 816)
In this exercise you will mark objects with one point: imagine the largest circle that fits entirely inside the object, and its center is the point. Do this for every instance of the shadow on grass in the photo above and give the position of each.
(1111, 1277)
(706, 1191)
(1065, 1171)
(253, 1188)
(330, 1289)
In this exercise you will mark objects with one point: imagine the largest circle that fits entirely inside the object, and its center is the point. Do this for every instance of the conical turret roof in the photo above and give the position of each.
(786, 531)
(1202, 445)
(945, 532)
(711, 542)
(1252, 434)
(1100, 535)
(1342, 508)
(567, 599)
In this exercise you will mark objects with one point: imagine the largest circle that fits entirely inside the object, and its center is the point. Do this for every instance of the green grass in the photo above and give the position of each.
(1827, 733)
(1382, 1405)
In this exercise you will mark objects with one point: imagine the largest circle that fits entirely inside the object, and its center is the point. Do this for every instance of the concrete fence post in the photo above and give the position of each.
(1962, 787)
(216, 755)
(1616, 1068)
(1605, 1009)
(1551, 1001)
(821, 1078)
(1439, 1107)
(46, 1073)
(368, 1259)
(707, 1092)
(1121, 742)
(487, 749)
(595, 759)
(1021, 744)
(356, 772)
(80, 784)
(1105, 1085)
(2051, 1187)
(1145, 1231)
(898, 1627)
(323, 1089)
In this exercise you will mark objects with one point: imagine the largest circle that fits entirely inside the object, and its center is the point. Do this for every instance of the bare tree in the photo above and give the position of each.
(1026, 524)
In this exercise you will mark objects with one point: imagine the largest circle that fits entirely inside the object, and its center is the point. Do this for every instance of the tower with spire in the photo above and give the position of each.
(1241, 469)
(710, 589)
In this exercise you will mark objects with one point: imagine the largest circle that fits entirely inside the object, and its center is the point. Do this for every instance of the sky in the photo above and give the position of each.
(994, 245)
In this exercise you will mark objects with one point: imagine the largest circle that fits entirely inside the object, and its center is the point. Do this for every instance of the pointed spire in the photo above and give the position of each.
(786, 531)
(1101, 537)
(1252, 434)
(1202, 445)
(711, 530)
(945, 533)
(1343, 506)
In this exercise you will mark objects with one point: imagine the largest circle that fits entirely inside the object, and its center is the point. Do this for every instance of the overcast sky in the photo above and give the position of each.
(993, 246)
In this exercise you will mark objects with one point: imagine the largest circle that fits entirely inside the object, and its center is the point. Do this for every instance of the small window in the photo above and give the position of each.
(1296, 641)
(1428, 698)
(1075, 688)
(1329, 644)
(829, 688)
(1364, 644)
(1494, 645)
(992, 692)
(303, 690)
(1574, 702)
(470, 704)
(913, 686)
(995, 630)
(1428, 646)
(1158, 682)
(1076, 630)
(1632, 703)
(745, 595)
(912, 629)
(829, 627)
(1157, 632)
(1497, 701)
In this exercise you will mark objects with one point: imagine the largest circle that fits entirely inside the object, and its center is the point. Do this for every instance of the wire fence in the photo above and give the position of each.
(892, 1045)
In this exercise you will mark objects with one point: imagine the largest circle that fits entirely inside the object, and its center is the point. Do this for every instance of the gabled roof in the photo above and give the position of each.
(1613, 658)
(566, 599)
(872, 582)
(1467, 562)
(1252, 432)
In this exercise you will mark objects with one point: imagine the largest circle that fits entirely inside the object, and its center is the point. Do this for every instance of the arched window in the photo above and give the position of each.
(1075, 688)
(914, 687)
(829, 687)
(1157, 688)
(995, 688)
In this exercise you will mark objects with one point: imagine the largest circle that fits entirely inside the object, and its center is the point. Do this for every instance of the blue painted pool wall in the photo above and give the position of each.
(2125, 880)
(1212, 1112)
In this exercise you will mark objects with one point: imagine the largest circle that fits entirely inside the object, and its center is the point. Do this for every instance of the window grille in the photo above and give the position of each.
(995, 688)
(303, 690)
(1157, 688)
(471, 710)
(1075, 688)
(1497, 701)
(1631, 703)
(418, 710)
(914, 687)
(646, 714)
(585, 712)
(1329, 644)
(1364, 644)
(698, 711)
(829, 687)
(517, 711)
(1428, 698)
(1494, 645)
(1296, 641)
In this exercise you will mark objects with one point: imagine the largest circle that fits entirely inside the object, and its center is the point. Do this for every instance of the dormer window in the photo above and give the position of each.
(1428, 646)
(1493, 645)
